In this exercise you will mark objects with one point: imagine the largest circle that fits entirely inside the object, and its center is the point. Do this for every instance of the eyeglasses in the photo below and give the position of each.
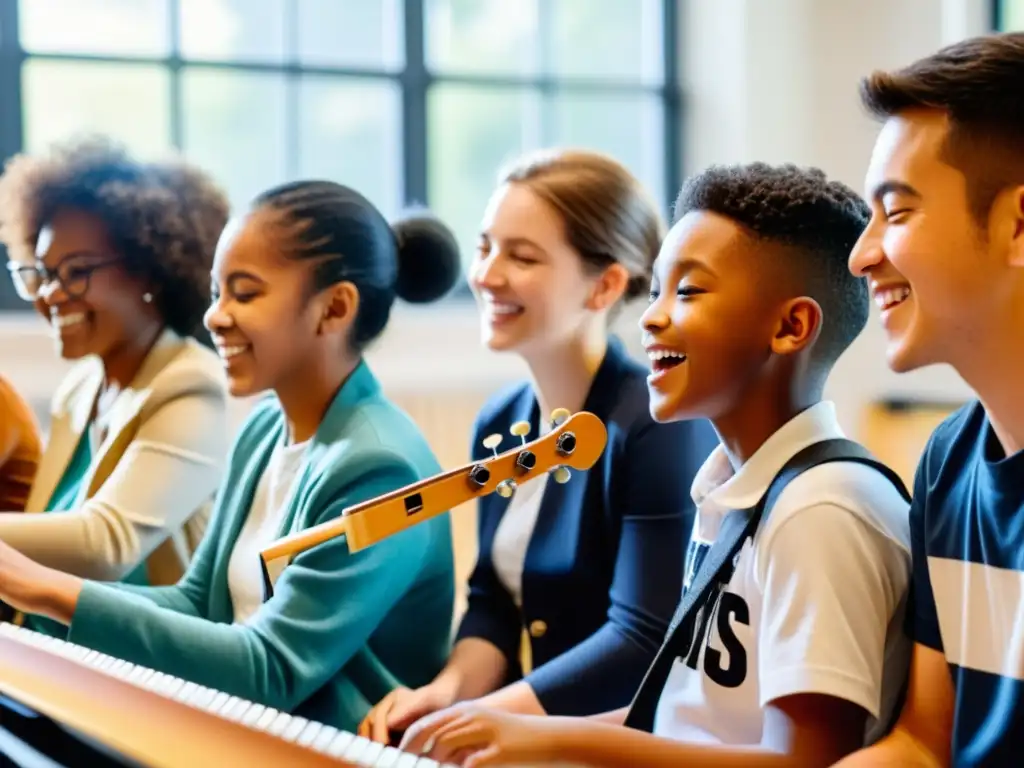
(72, 274)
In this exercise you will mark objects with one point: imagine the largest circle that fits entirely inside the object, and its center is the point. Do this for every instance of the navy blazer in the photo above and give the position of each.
(604, 566)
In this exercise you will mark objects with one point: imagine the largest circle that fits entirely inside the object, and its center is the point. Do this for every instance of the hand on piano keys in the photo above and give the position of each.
(156, 720)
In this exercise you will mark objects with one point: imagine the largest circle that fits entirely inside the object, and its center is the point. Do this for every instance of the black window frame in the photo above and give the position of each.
(414, 80)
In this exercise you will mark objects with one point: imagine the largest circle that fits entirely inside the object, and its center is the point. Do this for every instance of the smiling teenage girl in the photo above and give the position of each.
(303, 281)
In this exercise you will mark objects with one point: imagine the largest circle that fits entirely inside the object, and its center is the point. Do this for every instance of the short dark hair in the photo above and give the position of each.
(978, 84)
(416, 258)
(816, 221)
(164, 218)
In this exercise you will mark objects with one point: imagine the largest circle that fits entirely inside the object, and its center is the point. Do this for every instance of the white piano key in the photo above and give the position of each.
(217, 702)
(339, 744)
(389, 757)
(62, 648)
(125, 671)
(276, 728)
(225, 705)
(407, 760)
(169, 686)
(153, 680)
(236, 709)
(357, 748)
(202, 697)
(324, 738)
(269, 714)
(309, 733)
(187, 692)
(295, 727)
(252, 715)
(371, 751)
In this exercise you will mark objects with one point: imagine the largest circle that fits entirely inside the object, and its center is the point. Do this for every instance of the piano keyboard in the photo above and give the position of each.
(346, 748)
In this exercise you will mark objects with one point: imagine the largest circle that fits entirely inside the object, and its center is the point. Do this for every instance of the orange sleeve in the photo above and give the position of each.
(20, 448)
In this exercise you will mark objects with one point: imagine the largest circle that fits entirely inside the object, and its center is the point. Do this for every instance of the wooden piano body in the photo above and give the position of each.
(139, 727)
(110, 721)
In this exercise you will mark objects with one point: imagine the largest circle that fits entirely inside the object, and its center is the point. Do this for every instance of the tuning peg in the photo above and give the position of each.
(561, 475)
(559, 416)
(491, 442)
(506, 488)
(525, 461)
(565, 444)
(479, 475)
(520, 429)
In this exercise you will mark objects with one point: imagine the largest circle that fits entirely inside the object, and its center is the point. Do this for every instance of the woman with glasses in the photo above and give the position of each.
(115, 255)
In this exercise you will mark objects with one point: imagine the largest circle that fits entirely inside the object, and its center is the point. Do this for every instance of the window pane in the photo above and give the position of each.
(482, 36)
(115, 27)
(235, 127)
(350, 132)
(473, 132)
(607, 39)
(351, 33)
(629, 127)
(128, 102)
(233, 30)
(1011, 15)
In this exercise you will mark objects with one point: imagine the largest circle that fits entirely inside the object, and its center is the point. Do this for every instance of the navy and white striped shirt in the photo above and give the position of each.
(967, 539)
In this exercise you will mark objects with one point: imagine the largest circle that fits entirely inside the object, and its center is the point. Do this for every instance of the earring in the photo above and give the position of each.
(147, 297)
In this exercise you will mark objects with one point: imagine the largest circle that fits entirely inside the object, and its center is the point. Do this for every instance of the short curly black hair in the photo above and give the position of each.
(817, 222)
(163, 218)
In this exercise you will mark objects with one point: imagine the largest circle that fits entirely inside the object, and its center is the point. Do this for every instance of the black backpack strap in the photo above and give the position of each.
(825, 452)
(737, 527)
(716, 569)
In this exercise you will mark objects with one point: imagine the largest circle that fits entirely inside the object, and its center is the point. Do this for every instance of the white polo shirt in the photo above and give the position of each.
(816, 600)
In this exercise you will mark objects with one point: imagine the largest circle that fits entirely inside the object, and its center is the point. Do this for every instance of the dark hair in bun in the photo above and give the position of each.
(417, 259)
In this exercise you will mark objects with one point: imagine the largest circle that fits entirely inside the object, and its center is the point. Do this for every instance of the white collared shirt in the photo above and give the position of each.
(816, 600)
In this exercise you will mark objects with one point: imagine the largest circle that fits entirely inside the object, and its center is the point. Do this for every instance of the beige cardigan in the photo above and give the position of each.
(148, 490)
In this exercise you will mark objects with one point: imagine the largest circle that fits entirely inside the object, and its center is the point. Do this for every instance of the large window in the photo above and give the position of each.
(1009, 15)
(410, 101)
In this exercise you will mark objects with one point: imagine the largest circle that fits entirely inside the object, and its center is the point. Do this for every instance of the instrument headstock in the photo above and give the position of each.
(556, 452)
(576, 441)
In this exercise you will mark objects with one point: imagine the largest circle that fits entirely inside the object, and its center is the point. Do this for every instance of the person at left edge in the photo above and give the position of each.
(114, 253)
(302, 283)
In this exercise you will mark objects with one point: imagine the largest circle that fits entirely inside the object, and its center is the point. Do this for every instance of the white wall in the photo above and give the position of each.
(776, 80)
(773, 80)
